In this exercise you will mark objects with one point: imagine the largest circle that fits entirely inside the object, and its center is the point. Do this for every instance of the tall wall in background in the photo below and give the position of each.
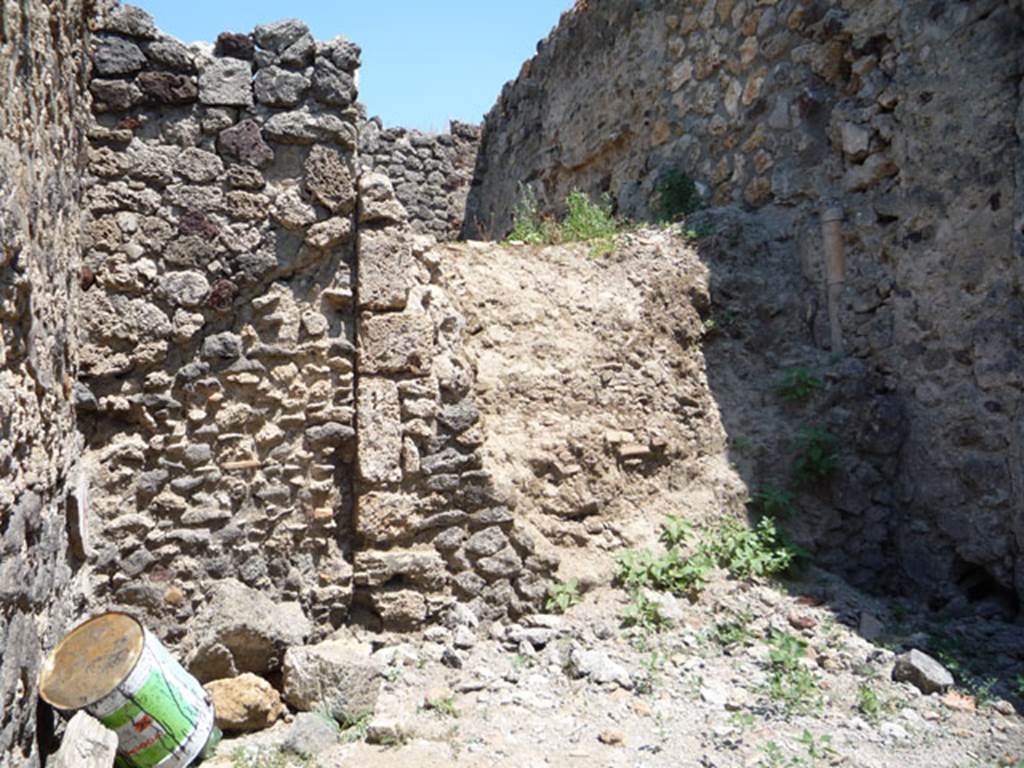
(905, 114)
(42, 116)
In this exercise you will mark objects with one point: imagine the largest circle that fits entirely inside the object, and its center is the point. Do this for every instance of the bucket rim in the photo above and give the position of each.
(50, 660)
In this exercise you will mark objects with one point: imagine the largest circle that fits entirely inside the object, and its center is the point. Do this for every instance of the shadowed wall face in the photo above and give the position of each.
(907, 115)
(42, 126)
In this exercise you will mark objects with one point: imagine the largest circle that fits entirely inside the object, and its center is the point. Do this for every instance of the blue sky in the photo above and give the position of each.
(424, 61)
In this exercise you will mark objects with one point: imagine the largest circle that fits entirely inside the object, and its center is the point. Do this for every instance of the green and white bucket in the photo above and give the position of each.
(118, 672)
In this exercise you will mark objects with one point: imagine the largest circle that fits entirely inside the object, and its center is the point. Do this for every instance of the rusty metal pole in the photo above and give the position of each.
(835, 271)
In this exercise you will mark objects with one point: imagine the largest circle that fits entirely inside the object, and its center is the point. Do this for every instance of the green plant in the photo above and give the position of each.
(444, 706)
(644, 614)
(675, 530)
(720, 322)
(791, 683)
(355, 729)
(587, 220)
(562, 596)
(769, 501)
(798, 385)
(527, 226)
(758, 552)
(744, 721)
(1018, 686)
(815, 459)
(983, 690)
(734, 631)
(741, 444)
(674, 572)
(818, 748)
(868, 703)
(647, 679)
(698, 230)
(677, 194)
(634, 568)
(774, 757)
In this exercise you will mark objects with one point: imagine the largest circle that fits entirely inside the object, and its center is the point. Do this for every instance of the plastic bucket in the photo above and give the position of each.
(118, 672)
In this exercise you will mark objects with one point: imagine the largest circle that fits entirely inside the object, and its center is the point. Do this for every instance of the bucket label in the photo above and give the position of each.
(160, 713)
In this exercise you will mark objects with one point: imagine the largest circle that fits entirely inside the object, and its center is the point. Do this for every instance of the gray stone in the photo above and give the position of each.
(169, 53)
(598, 667)
(505, 564)
(87, 744)
(380, 431)
(328, 234)
(245, 624)
(114, 94)
(292, 212)
(299, 54)
(185, 289)
(224, 346)
(132, 21)
(311, 735)
(226, 82)
(333, 86)
(277, 87)
(329, 435)
(459, 417)
(305, 127)
(923, 672)
(117, 56)
(396, 343)
(343, 53)
(278, 35)
(338, 677)
(487, 542)
(377, 203)
(198, 165)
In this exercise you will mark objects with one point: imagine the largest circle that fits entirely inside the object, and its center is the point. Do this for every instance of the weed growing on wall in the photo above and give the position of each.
(677, 196)
(527, 226)
(814, 459)
(585, 222)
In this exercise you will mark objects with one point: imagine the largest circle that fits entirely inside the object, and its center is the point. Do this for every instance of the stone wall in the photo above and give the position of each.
(904, 115)
(43, 542)
(431, 172)
(265, 394)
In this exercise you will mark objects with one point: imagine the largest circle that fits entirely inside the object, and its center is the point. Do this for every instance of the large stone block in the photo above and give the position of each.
(245, 703)
(87, 744)
(337, 677)
(423, 568)
(241, 629)
(396, 343)
(380, 431)
(385, 261)
(226, 83)
(329, 180)
(384, 518)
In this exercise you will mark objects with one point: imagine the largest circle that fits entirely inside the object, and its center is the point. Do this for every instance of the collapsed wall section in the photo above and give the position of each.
(902, 114)
(42, 123)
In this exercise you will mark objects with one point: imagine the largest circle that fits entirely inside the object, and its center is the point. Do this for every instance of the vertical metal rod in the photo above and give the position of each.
(835, 271)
